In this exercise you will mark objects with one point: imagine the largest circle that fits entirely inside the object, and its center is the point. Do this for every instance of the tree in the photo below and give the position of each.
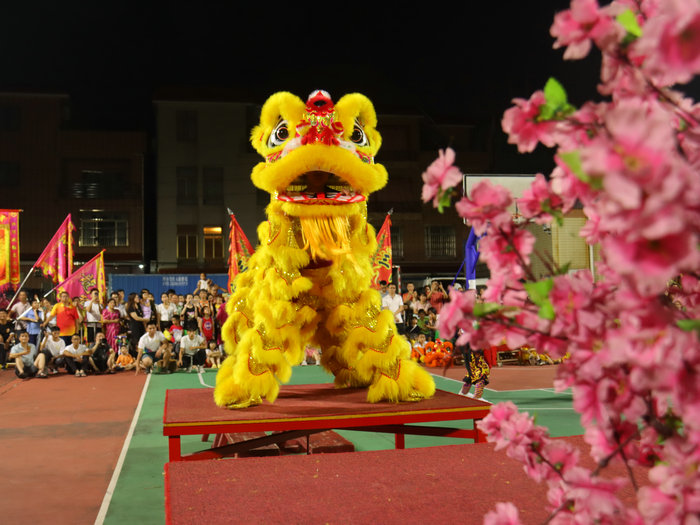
(630, 335)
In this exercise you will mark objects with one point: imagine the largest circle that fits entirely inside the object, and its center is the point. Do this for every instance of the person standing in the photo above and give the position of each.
(67, 318)
(437, 295)
(393, 302)
(17, 309)
(110, 323)
(33, 318)
(93, 315)
(165, 311)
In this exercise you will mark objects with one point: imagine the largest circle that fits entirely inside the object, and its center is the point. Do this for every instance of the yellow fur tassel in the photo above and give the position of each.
(326, 237)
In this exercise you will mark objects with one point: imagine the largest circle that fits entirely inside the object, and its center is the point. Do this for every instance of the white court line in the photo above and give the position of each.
(552, 391)
(201, 381)
(120, 462)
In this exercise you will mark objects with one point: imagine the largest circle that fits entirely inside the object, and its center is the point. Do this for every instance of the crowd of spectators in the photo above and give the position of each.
(137, 333)
(131, 332)
(415, 310)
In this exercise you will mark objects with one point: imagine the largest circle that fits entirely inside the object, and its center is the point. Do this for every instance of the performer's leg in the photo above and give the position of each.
(373, 353)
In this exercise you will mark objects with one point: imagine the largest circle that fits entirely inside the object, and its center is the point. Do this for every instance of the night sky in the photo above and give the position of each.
(459, 65)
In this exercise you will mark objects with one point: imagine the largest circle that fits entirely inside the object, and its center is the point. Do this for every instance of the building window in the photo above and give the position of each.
(186, 241)
(9, 174)
(213, 242)
(186, 126)
(10, 118)
(440, 242)
(187, 185)
(213, 185)
(98, 184)
(104, 229)
(396, 243)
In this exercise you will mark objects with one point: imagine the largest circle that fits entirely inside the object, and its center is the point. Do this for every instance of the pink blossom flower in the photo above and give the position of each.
(441, 175)
(536, 199)
(671, 42)
(486, 203)
(521, 125)
(508, 253)
(576, 27)
(505, 514)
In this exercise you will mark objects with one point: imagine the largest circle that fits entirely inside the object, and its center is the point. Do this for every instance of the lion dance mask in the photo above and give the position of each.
(308, 282)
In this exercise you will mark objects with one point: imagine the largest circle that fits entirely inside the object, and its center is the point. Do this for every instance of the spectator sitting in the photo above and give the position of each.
(152, 347)
(192, 348)
(27, 362)
(213, 354)
(52, 347)
(7, 338)
(76, 356)
(125, 361)
(101, 355)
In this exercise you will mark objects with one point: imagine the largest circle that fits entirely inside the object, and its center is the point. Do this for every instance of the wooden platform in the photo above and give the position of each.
(301, 410)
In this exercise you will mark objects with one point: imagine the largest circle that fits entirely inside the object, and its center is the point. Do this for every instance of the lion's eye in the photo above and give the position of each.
(279, 135)
(358, 136)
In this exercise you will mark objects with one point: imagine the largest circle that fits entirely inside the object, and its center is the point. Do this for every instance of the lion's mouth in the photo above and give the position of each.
(315, 186)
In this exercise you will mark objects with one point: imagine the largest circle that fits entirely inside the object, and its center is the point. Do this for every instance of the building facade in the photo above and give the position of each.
(48, 169)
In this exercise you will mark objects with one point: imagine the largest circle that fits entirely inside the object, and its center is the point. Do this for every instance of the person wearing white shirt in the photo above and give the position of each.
(93, 315)
(165, 311)
(153, 346)
(192, 347)
(52, 347)
(76, 357)
(393, 302)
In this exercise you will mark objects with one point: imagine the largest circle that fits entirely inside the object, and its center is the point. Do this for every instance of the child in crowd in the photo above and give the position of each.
(125, 361)
(413, 329)
(202, 284)
(206, 324)
(176, 330)
(213, 355)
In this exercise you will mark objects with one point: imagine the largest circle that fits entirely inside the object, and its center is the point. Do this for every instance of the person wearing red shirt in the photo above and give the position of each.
(437, 295)
(67, 318)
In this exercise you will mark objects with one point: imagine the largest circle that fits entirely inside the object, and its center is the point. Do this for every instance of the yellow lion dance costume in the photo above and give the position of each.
(308, 282)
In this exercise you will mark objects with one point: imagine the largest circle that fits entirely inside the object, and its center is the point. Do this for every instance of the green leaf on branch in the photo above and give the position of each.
(444, 200)
(689, 325)
(482, 309)
(556, 106)
(628, 20)
(554, 93)
(572, 159)
(539, 295)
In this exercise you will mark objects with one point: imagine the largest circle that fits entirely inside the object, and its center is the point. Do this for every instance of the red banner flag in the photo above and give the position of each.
(381, 261)
(240, 251)
(56, 261)
(90, 275)
(9, 249)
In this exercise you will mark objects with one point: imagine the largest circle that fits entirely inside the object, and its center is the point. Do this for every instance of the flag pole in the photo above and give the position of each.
(22, 284)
